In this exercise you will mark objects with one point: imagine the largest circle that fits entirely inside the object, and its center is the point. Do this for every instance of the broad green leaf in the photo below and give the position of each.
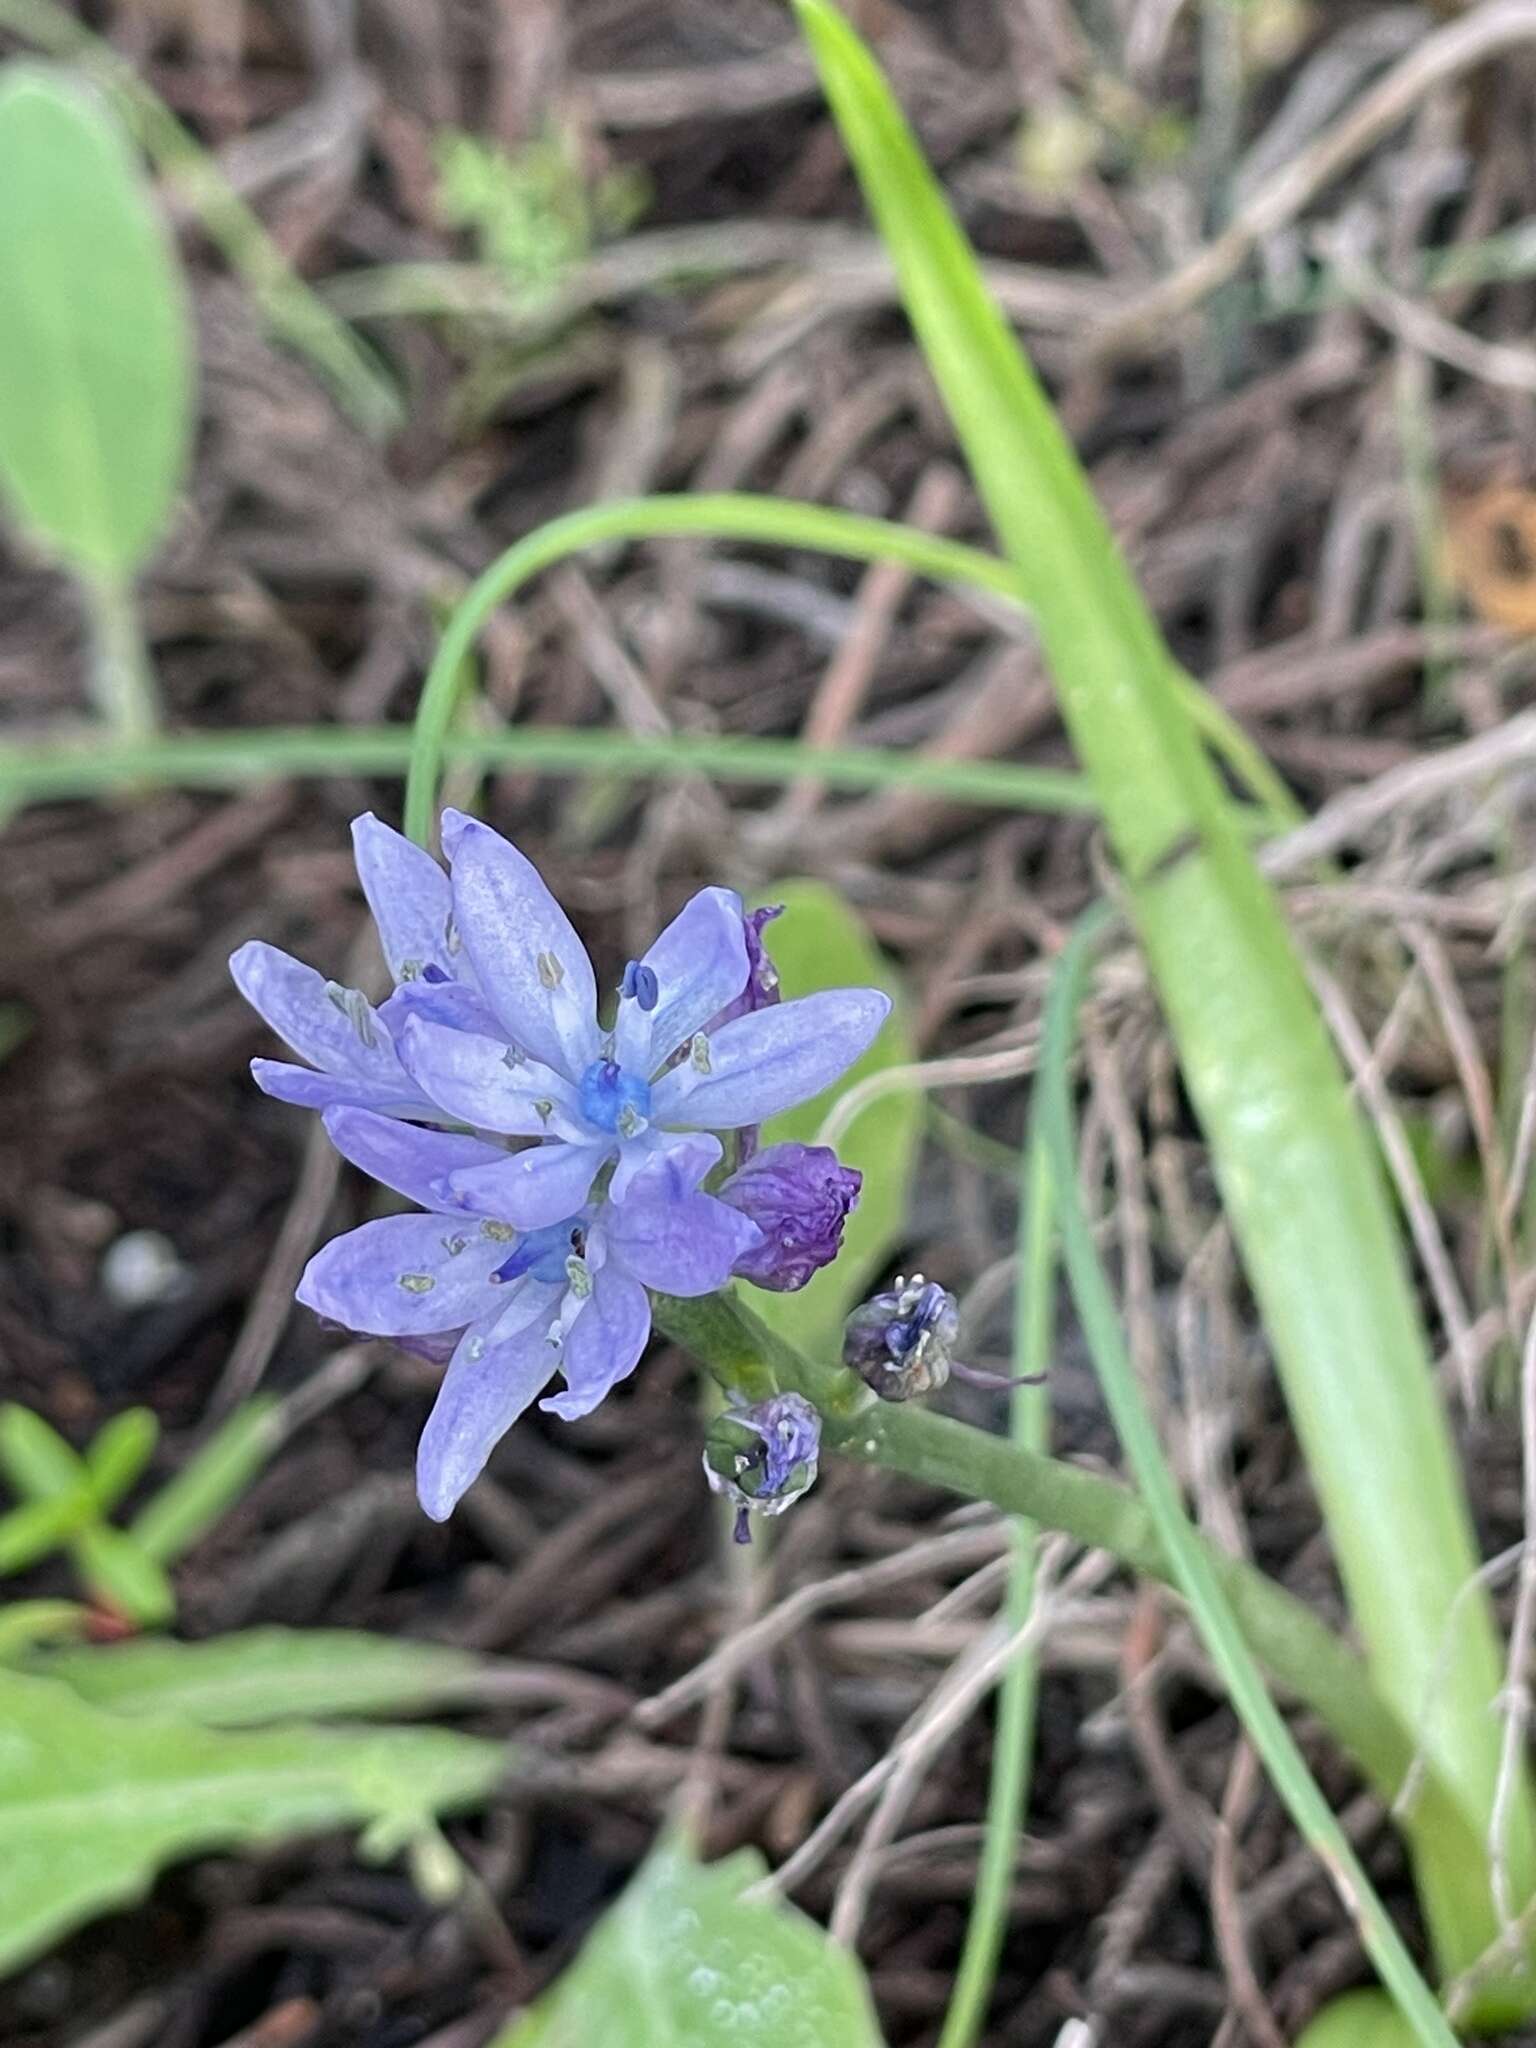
(683, 1961)
(268, 1674)
(820, 942)
(211, 1481)
(93, 1805)
(95, 343)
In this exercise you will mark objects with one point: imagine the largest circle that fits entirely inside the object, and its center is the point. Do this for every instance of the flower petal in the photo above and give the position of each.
(604, 1346)
(335, 1029)
(482, 1082)
(675, 1241)
(487, 1386)
(510, 923)
(402, 1275)
(690, 1148)
(404, 1157)
(450, 1003)
(302, 1085)
(771, 1060)
(543, 1185)
(700, 965)
(409, 896)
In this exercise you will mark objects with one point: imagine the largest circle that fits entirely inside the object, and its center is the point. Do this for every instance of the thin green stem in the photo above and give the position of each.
(1298, 1650)
(122, 682)
(1193, 1567)
(82, 765)
(740, 516)
(1013, 1740)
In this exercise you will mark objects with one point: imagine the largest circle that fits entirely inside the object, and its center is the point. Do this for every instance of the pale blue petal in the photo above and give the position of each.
(771, 1060)
(604, 1345)
(700, 965)
(302, 1085)
(543, 1185)
(674, 1240)
(412, 1161)
(481, 1081)
(508, 922)
(689, 1147)
(488, 1385)
(451, 1003)
(409, 896)
(333, 1028)
(404, 1275)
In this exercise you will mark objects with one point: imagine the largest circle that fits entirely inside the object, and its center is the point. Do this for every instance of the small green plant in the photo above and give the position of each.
(171, 1748)
(534, 215)
(66, 1501)
(96, 376)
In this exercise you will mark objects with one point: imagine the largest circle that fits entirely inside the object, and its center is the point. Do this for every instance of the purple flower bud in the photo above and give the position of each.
(763, 1457)
(902, 1342)
(799, 1197)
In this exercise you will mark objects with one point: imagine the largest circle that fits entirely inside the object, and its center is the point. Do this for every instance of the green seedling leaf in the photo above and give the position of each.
(210, 1483)
(25, 1624)
(1360, 2019)
(820, 942)
(31, 1532)
(95, 346)
(34, 1459)
(93, 1805)
(684, 1961)
(122, 1577)
(121, 1450)
(269, 1674)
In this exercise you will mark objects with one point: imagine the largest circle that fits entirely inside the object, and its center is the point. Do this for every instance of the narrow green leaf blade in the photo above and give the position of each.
(210, 1482)
(268, 1674)
(820, 942)
(684, 1961)
(121, 1576)
(120, 1451)
(95, 346)
(29, 1533)
(34, 1459)
(1300, 1181)
(92, 1805)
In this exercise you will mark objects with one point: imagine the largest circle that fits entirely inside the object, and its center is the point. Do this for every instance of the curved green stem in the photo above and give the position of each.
(1193, 1564)
(1299, 1651)
(730, 515)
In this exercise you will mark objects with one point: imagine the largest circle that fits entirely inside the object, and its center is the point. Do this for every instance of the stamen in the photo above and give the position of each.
(640, 985)
(357, 1010)
(551, 973)
(698, 1054)
(579, 1275)
(417, 1283)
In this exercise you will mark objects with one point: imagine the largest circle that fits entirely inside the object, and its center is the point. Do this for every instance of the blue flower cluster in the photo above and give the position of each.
(564, 1164)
